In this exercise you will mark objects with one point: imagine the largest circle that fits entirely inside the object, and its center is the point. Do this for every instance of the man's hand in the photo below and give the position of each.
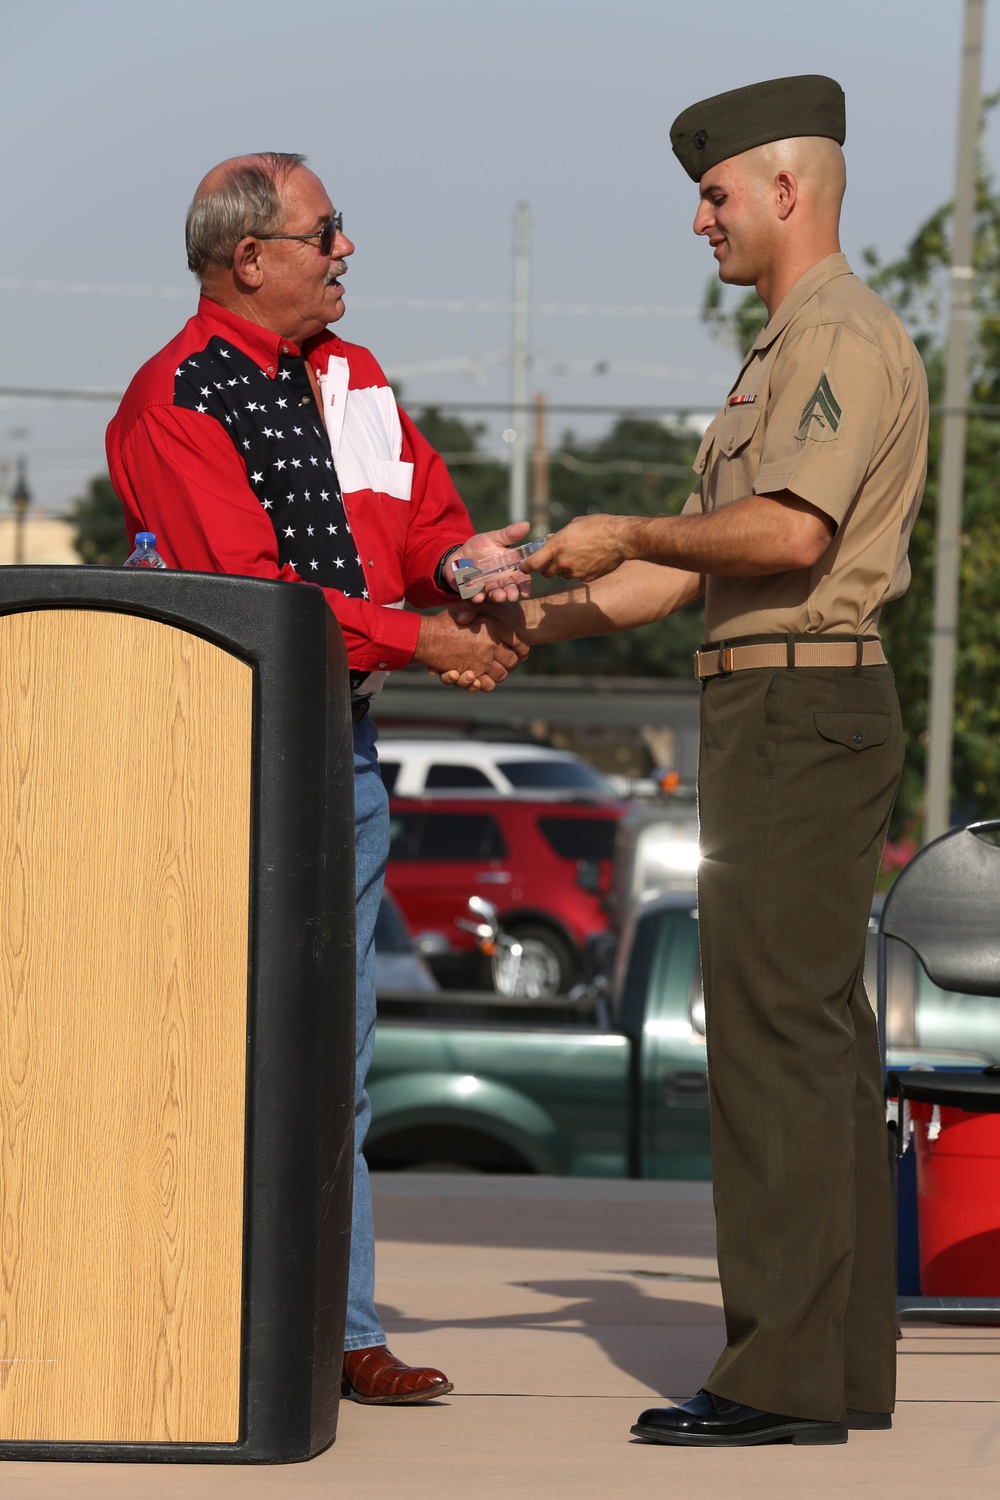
(637, 593)
(754, 536)
(587, 548)
(484, 546)
(475, 656)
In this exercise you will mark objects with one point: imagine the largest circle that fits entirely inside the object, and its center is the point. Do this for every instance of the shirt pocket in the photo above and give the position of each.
(704, 447)
(737, 426)
(371, 442)
(856, 731)
(396, 479)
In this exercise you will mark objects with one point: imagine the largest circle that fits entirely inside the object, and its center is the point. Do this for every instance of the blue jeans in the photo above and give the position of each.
(371, 850)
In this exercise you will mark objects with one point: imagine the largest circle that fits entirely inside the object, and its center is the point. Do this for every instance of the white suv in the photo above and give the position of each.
(412, 767)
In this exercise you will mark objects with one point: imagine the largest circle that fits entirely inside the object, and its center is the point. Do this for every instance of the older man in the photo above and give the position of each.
(808, 484)
(259, 443)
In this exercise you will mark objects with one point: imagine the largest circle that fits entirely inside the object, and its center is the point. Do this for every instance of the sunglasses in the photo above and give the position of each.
(325, 236)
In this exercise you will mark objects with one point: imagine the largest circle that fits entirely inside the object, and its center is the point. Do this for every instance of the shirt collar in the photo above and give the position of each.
(263, 345)
(320, 344)
(796, 298)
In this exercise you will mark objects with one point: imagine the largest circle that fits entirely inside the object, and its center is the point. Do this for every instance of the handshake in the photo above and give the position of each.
(475, 645)
(467, 648)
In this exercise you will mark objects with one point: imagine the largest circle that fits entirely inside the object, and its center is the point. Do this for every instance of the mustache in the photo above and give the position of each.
(337, 268)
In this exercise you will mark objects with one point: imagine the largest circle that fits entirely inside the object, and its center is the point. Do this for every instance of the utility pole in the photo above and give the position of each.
(20, 499)
(944, 638)
(517, 508)
(540, 469)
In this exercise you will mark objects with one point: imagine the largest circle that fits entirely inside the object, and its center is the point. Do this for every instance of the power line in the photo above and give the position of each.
(95, 289)
(404, 304)
(556, 365)
(596, 409)
(576, 465)
(539, 309)
(69, 393)
(367, 304)
(88, 393)
(619, 466)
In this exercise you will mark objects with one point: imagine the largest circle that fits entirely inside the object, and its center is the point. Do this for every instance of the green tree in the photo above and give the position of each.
(738, 325)
(100, 526)
(916, 285)
(480, 479)
(640, 467)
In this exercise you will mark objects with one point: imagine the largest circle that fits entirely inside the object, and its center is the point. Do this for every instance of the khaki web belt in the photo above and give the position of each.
(720, 661)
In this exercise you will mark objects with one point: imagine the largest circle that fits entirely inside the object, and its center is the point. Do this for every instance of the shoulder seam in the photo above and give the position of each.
(870, 334)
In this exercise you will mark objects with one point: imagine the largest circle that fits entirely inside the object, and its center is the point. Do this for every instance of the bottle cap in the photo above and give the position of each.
(145, 539)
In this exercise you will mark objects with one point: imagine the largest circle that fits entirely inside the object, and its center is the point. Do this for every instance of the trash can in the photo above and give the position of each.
(958, 1201)
(907, 1237)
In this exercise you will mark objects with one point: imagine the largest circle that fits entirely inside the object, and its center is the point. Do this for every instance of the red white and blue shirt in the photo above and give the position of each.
(218, 448)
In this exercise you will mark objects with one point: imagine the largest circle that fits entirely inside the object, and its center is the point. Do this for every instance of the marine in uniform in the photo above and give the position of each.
(808, 482)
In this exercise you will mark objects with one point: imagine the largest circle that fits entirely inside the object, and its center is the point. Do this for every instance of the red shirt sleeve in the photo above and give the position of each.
(438, 519)
(177, 473)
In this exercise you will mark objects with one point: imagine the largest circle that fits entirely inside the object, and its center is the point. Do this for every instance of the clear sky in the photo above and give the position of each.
(428, 122)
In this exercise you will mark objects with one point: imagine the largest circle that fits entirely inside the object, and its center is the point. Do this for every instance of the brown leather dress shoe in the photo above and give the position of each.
(377, 1378)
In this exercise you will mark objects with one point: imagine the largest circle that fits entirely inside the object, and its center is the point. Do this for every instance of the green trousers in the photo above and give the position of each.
(797, 775)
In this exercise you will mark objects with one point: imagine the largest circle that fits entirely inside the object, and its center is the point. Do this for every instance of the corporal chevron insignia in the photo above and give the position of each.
(820, 419)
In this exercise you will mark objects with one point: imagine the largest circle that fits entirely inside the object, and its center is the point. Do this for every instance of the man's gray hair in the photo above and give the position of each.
(245, 199)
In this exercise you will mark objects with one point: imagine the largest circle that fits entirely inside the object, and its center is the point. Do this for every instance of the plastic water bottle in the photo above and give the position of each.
(145, 554)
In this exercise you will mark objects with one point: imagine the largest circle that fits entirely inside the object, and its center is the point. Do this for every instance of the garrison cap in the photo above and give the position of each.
(727, 124)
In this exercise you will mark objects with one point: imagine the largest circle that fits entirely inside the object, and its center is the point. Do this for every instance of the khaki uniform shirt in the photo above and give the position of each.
(831, 405)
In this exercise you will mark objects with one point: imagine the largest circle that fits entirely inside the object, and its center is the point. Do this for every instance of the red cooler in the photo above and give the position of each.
(958, 1201)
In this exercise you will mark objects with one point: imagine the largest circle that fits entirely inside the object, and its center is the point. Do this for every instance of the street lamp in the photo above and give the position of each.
(20, 499)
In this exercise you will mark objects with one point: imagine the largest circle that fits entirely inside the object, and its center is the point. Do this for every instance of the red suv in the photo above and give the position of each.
(545, 865)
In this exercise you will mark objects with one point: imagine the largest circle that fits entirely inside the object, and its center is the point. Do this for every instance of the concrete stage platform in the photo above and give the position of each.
(561, 1307)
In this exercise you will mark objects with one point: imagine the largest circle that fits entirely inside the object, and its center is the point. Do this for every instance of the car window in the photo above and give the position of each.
(696, 998)
(389, 770)
(454, 777)
(391, 935)
(579, 838)
(404, 831)
(560, 775)
(447, 836)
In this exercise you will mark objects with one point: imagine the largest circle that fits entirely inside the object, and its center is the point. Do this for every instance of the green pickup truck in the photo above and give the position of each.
(602, 1087)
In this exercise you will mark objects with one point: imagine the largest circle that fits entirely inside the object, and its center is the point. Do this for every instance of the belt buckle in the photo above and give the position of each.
(724, 662)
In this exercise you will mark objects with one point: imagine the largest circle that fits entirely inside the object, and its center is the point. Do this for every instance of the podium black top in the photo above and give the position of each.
(249, 616)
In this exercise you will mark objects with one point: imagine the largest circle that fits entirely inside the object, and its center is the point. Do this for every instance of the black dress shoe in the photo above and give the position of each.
(708, 1421)
(868, 1421)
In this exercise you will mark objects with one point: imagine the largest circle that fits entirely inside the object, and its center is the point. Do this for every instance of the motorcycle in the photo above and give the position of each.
(521, 968)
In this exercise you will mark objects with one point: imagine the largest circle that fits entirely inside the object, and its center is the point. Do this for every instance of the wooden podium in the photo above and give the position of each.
(176, 1016)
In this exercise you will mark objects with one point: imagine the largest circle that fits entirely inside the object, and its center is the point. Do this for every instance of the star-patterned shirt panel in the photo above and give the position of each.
(415, 533)
(185, 474)
(275, 428)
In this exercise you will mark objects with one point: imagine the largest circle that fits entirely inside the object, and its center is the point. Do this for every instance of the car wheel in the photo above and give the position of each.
(443, 1148)
(547, 966)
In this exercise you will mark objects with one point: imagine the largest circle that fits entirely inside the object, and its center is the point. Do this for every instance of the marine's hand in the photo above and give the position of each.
(475, 656)
(586, 549)
(488, 544)
(470, 610)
